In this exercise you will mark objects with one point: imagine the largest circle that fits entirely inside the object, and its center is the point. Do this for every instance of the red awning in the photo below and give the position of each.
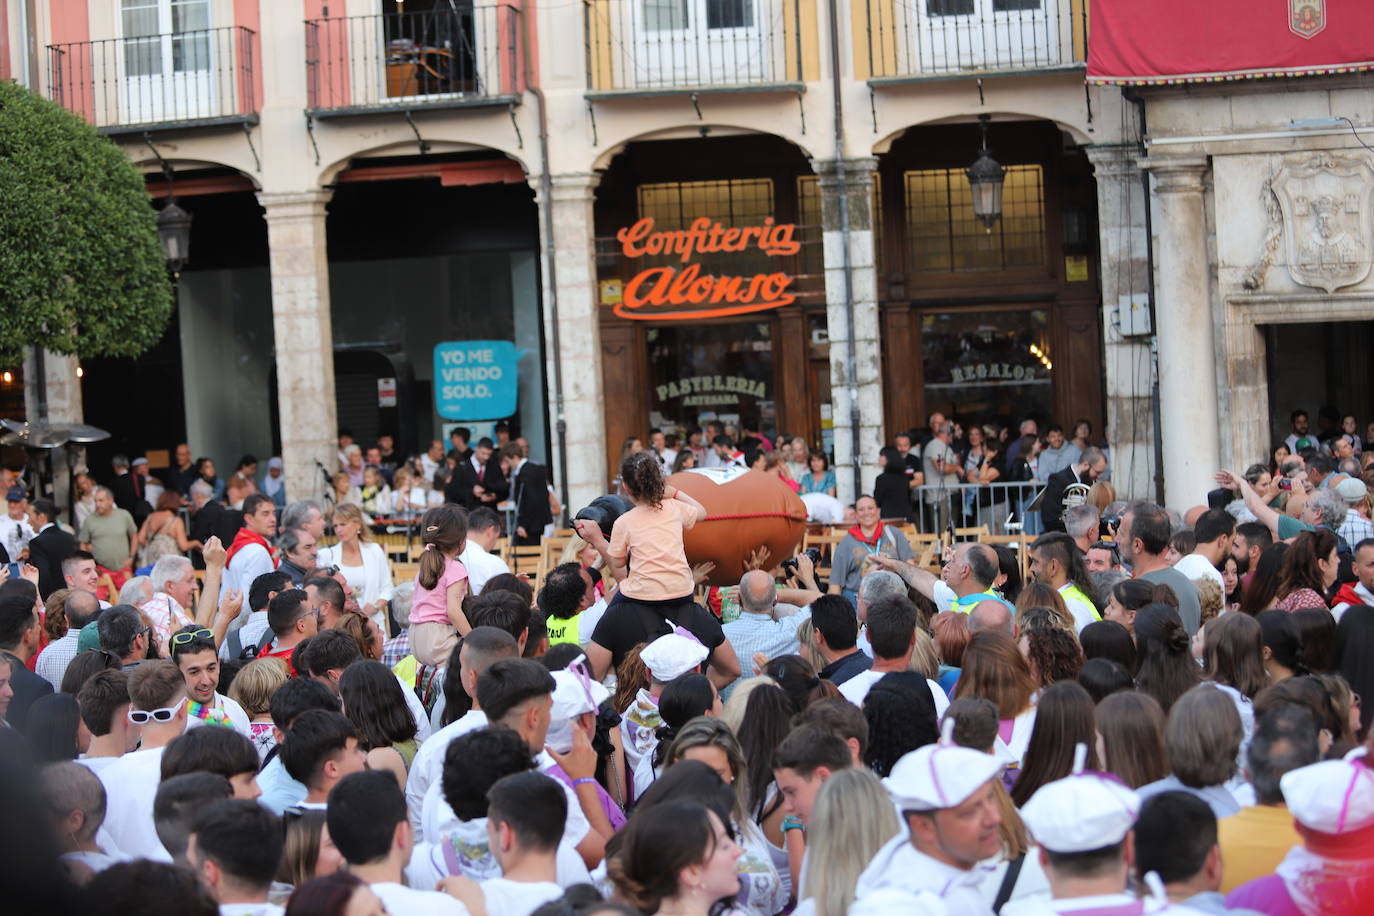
(1156, 42)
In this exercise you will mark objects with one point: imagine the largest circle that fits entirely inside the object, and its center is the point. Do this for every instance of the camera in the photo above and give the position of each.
(789, 566)
(1285, 483)
(1107, 526)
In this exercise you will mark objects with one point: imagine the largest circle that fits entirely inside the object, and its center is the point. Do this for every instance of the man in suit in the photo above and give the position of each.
(478, 480)
(20, 631)
(530, 489)
(49, 547)
(1091, 465)
(211, 518)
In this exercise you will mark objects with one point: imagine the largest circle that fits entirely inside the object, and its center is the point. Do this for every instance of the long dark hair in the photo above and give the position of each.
(1317, 631)
(797, 679)
(1132, 727)
(656, 847)
(444, 532)
(1233, 650)
(1300, 569)
(1064, 717)
(51, 728)
(1167, 670)
(766, 721)
(900, 712)
(1282, 639)
(1109, 639)
(1264, 583)
(375, 704)
(682, 701)
(1355, 638)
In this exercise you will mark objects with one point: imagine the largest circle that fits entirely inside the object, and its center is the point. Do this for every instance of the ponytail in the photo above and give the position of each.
(444, 532)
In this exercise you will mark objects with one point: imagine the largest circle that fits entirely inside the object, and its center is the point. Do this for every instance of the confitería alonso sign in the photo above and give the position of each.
(667, 292)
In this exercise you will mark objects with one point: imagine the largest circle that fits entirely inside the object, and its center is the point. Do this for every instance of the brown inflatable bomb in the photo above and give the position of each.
(752, 509)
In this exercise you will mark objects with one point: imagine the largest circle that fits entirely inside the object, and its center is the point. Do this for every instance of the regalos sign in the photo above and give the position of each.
(662, 293)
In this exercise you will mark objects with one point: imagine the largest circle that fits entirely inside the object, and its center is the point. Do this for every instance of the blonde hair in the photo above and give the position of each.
(853, 818)
(925, 661)
(807, 644)
(704, 731)
(255, 683)
(1101, 494)
(1209, 596)
(351, 513)
(733, 713)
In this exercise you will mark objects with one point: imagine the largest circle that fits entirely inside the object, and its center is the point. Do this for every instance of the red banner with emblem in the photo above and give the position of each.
(1150, 42)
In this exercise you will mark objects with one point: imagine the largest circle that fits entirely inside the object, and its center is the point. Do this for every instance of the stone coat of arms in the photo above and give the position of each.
(1327, 202)
(1306, 17)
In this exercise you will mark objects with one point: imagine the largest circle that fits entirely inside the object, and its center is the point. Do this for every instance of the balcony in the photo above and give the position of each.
(911, 40)
(201, 78)
(463, 58)
(653, 47)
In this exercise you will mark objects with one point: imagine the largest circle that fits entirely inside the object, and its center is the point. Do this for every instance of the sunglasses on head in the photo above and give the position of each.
(1106, 545)
(181, 639)
(329, 570)
(142, 717)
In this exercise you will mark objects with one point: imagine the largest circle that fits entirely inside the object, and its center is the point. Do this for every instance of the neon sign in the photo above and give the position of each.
(660, 293)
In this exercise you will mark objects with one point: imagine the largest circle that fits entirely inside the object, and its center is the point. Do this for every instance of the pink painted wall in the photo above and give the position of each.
(75, 80)
(249, 48)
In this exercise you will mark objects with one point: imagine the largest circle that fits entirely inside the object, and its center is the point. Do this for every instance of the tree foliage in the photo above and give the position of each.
(81, 267)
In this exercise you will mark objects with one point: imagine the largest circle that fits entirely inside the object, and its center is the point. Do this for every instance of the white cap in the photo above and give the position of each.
(137, 461)
(939, 775)
(1081, 812)
(575, 694)
(1333, 796)
(669, 657)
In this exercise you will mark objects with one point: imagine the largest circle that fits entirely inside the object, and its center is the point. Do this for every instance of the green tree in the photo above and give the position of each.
(81, 267)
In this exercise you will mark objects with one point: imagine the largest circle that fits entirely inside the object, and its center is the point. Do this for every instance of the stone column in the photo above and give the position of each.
(1187, 356)
(61, 389)
(1126, 355)
(861, 406)
(304, 339)
(579, 403)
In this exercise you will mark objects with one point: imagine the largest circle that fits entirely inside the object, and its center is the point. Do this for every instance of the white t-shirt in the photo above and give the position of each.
(428, 765)
(1196, 566)
(856, 688)
(470, 855)
(95, 861)
(437, 818)
(232, 709)
(250, 909)
(518, 898)
(399, 899)
(130, 786)
(481, 566)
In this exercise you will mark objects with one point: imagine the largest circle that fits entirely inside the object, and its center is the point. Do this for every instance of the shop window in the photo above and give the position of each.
(944, 235)
(712, 372)
(988, 365)
(732, 203)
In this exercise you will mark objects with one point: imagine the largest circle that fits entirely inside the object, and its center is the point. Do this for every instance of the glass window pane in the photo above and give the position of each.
(191, 52)
(142, 56)
(1008, 6)
(987, 366)
(740, 202)
(721, 371)
(660, 15)
(138, 17)
(949, 7)
(944, 235)
(189, 15)
(729, 14)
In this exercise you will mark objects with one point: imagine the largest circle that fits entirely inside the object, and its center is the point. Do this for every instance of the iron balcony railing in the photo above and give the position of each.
(140, 82)
(667, 45)
(935, 38)
(446, 57)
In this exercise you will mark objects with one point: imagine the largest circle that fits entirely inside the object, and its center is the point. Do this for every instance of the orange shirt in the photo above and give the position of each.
(651, 541)
(1253, 843)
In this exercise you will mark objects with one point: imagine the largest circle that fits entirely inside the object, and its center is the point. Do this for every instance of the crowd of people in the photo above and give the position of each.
(1153, 711)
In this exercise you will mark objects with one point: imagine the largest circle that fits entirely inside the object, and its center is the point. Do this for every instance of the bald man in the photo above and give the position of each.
(769, 616)
(992, 615)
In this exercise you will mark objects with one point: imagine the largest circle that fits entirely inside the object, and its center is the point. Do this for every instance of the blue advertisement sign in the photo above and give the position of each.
(475, 379)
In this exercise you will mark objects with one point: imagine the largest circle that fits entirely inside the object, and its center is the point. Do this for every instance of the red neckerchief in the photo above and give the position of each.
(245, 537)
(857, 534)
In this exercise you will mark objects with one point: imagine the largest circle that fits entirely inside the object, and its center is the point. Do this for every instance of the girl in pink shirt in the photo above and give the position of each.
(436, 613)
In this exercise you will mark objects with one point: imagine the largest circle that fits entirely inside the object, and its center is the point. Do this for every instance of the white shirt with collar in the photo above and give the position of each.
(428, 766)
(482, 566)
(17, 534)
(899, 864)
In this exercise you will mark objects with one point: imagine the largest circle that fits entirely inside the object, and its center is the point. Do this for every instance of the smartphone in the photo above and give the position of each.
(1285, 483)
(14, 570)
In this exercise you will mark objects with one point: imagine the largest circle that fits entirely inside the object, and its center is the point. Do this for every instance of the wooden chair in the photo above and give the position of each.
(553, 550)
(1019, 543)
(527, 561)
(975, 533)
(404, 572)
(825, 540)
